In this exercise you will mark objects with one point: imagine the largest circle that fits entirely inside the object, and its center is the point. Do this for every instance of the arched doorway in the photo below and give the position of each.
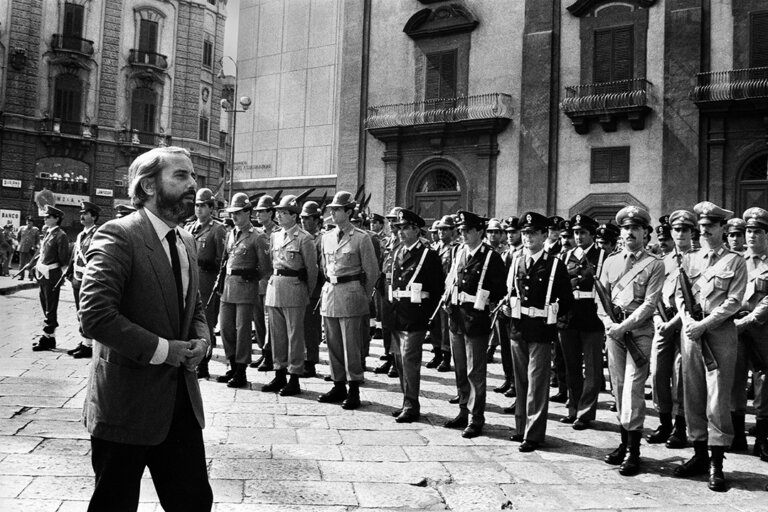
(437, 191)
(752, 184)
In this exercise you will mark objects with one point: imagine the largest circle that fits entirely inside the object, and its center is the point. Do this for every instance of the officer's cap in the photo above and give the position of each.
(289, 203)
(52, 211)
(664, 219)
(756, 217)
(433, 229)
(343, 199)
(240, 203)
(513, 223)
(533, 221)
(736, 225)
(607, 233)
(565, 226)
(121, 210)
(89, 207)
(310, 209)
(580, 221)
(633, 216)
(554, 221)
(377, 217)
(663, 232)
(204, 196)
(446, 222)
(710, 213)
(685, 218)
(471, 220)
(405, 217)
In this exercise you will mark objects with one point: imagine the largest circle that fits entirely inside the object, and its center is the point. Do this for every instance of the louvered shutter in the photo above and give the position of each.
(601, 163)
(73, 20)
(432, 87)
(619, 171)
(148, 36)
(622, 53)
(758, 35)
(448, 75)
(601, 70)
(610, 165)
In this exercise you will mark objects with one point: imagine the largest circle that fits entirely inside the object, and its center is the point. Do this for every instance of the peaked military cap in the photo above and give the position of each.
(534, 221)
(607, 232)
(554, 222)
(377, 217)
(494, 225)
(89, 207)
(471, 220)
(580, 221)
(633, 216)
(756, 217)
(266, 202)
(310, 209)
(240, 203)
(446, 222)
(565, 226)
(663, 231)
(682, 218)
(513, 223)
(736, 225)
(343, 199)
(664, 219)
(405, 217)
(289, 203)
(204, 195)
(52, 211)
(710, 213)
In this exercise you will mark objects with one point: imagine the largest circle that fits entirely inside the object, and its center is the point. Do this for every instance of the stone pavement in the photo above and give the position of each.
(270, 453)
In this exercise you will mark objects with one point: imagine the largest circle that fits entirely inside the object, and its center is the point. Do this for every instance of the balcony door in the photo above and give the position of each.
(143, 114)
(437, 193)
(73, 26)
(753, 185)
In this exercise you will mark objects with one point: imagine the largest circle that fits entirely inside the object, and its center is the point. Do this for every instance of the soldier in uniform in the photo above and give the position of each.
(265, 217)
(29, 240)
(606, 237)
(735, 233)
(351, 269)
(390, 246)
(210, 236)
(294, 276)
(247, 249)
(445, 248)
(664, 236)
(89, 214)
(311, 221)
(538, 294)
(666, 362)
(53, 256)
(566, 243)
(753, 335)
(583, 335)
(417, 284)
(495, 236)
(515, 245)
(472, 286)
(633, 279)
(514, 238)
(719, 278)
(552, 244)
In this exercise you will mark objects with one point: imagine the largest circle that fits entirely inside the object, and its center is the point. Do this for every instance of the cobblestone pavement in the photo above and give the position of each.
(272, 453)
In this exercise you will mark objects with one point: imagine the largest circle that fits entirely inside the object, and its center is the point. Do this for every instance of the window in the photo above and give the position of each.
(208, 52)
(148, 36)
(222, 139)
(441, 75)
(610, 165)
(73, 26)
(67, 99)
(203, 129)
(613, 54)
(758, 44)
(143, 113)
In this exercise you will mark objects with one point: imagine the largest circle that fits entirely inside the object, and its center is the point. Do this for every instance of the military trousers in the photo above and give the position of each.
(708, 393)
(501, 335)
(532, 363)
(313, 326)
(470, 367)
(628, 378)
(235, 326)
(667, 373)
(286, 327)
(88, 342)
(407, 349)
(753, 343)
(49, 300)
(207, 280)
(260, 322)
(582, 349)
(345, 345)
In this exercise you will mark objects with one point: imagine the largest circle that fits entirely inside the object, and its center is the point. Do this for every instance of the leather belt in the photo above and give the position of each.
(532, 312)
(465, 297)
(343, 279)
(207, 265)
(405, 294)
(579, 294)
(285, 272)
(247, 273)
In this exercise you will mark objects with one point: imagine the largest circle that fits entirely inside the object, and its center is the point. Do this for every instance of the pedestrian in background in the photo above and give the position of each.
(29, 240)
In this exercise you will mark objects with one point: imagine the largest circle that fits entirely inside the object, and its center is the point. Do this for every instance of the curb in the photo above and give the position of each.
(8, 290)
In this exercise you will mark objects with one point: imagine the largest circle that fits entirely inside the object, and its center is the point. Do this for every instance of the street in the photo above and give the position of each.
(272, 453)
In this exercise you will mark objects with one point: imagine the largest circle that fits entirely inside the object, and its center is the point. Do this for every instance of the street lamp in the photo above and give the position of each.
(227, 106)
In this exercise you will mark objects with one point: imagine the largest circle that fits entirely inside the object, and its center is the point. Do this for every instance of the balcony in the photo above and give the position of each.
(65, 43)
(63, 184)
(142, 58)
(133, 142)
(606, 102)
(733, 85)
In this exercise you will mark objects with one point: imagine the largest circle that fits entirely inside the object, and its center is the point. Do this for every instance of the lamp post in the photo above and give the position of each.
(227, 106)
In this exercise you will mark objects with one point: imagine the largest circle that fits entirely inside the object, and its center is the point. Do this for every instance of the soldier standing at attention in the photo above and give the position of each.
(472, 286)
(753, 335)
(633, 279)
(246, 248)
(54, 255)
(719, 279)
(666, 362)
(417, 284)
(29, 240)
(311, 221)
(89, 214)
(736, 230)
(265, 216)
(390, 246)
(445, 248)
(210, 236)
(294, 276)
(606, 237)
(351, 269)
(495, 236)
(538, 292)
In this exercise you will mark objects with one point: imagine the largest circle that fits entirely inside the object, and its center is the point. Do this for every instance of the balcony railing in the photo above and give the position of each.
(444, 110)
(732, 85)
(63, 184)
(140, 138)
(75, 128)
(72, 44)
(148, 59)
(606, 96)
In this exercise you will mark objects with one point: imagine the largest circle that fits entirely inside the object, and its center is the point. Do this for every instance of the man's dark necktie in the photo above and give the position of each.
(340, 235)
(176, 264)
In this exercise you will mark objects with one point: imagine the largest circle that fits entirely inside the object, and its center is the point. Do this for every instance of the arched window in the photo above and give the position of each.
(753, 184)
(143, 114)
(437, 193)
(67, 100)
(439, 180)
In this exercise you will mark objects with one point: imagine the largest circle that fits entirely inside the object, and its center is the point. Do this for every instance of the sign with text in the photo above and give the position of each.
(10, 215)
(105, 192)
(11, 183)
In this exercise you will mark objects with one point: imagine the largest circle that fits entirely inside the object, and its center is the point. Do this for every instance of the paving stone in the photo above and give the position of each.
(382, 437)
(264, 507)
(306, 409)
(227, 491)
(298, 421)
(535, 472)
(523, 496)
(394, 495)
(445, 436)
(239, 435)
(300, 493)
(19, 444)
(472, 497)
(60, 487)
(55, 413)
(387, 472)
(317, 436)
(441, 453)
(12, 485)
(306, 451)
(9, 411)
(56, 447)
(373, 453)
(9, 427)
(237, 451)
(56, 429)
(266, 469)
(33, 401)
(40, 387)
(478, 472)
(243, 420)
(34, 464)
(25, 505)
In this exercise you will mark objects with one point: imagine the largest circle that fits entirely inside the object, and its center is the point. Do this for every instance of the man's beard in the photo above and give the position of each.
(174, 208)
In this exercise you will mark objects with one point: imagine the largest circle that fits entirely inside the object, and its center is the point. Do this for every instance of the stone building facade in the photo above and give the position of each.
(87, 85)
(559, 106)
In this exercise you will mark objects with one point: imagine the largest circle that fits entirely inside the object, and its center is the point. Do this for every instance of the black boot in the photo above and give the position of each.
(238, 379)
(504, 387)
(309, 369)
(662, 432)
(277, 383)
(258, 362)
(696, 465)
(266, 365)
(739, 443)
(616, 457)
(631, 464)
(445, 365)
(385, 366)
(678, 438)
(338, 393)
(229, 373)
(353, 397)
(716, 477)
(436, 360)
(292, 388)
(761, 440)
(392, 373)
(45, 343)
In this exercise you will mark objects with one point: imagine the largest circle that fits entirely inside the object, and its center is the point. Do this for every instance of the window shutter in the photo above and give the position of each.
(73, 20)
(148, 36)
(601, 70)
(610, 165)
(601, 163)
(432, 87)
(758, 44)
(619, 171)
(622, 53)
(614, 54)
(441, 76)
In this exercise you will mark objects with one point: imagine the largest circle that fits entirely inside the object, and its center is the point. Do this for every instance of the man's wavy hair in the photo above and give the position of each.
(148, 165)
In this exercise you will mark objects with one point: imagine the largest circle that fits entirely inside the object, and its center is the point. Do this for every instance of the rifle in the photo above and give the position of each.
(218, 285)
(695, 312)
(65, 275)
(29, 266)
(661, 311)
(629, 340)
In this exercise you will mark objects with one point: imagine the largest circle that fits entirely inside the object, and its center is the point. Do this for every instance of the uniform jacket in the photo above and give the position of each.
(408, 315)
(755, 302)
(317, 240)
(445, 252)
(463, 317)
(530, 285)
(79, 250)
(264, 278)
(292, 249)
(55, 248)
(553, 248)
(352, 256)
(581, 272)
(210, 239)
(247, 252)
(719, 289)
(128, 299)
(29, 238)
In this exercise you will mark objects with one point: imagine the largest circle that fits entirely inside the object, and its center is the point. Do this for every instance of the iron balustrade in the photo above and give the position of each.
(136, 137)
(146, 58)
(606, 96)
(731, 85)
(442, 110)
(72, 44)
(59, 127)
